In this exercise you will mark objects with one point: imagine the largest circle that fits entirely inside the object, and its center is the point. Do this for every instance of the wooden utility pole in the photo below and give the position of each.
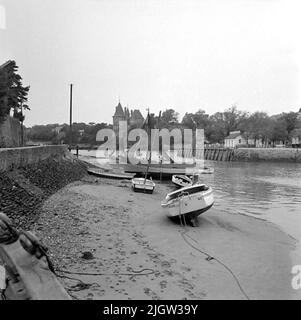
(70, 128)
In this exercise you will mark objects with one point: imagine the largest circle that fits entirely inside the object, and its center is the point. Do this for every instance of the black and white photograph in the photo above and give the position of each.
(150, 151)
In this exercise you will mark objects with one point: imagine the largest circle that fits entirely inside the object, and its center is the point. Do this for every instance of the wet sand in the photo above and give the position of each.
(138, 253)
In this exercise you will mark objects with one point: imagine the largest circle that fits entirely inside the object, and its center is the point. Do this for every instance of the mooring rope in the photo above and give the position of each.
(208, 256)
(133, 273)
(82, 285)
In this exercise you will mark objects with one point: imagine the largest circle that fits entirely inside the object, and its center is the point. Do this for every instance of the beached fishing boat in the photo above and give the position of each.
(188, 202)
(181, 180)
(143, 185)
(161, 166)
(165, 171)
(109, 175)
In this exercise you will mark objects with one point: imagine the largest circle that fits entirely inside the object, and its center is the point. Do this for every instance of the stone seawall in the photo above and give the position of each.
(267, 154)
(11, 158)
(29, 175)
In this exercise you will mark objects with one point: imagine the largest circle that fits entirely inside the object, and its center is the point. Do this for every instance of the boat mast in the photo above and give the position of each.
(148, 146)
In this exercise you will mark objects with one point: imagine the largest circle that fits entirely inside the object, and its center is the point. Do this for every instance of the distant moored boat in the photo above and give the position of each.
(143, 185)
(181, 180)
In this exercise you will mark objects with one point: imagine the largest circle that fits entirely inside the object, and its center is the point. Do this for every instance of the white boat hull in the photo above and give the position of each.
(142, 185)
(190, 205)
(181, 181)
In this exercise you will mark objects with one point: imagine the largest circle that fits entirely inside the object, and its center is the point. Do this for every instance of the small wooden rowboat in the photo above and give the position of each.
(181, 180)
(143, 185)
(188, 202)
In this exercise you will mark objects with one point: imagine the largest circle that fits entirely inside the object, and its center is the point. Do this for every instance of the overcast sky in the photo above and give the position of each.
(158, 54)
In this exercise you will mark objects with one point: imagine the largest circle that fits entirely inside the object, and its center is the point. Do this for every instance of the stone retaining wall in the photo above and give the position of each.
(267, 154)
(29, 175)
(20, 157)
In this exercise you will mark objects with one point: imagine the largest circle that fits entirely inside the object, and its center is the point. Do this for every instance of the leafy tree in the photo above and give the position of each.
(200, 119)
(13, 95)
(279, 131)
(42, 132)
(168, 117)
(291, 120)
(220, 124)
(216, 130)
(257, 126)
(232, 118)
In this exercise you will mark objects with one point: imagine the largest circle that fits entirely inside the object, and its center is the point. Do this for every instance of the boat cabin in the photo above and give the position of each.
(187, 191)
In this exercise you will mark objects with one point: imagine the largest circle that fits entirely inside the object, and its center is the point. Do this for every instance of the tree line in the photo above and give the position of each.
(82, 133)
(255, 126)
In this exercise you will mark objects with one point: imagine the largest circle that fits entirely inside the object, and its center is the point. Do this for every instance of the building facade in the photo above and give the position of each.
(234, 139)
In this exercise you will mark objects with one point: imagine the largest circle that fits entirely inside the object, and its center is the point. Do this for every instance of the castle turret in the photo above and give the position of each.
(133, 118)
(119, 115)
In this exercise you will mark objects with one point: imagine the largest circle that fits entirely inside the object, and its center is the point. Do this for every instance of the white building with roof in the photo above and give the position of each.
(234, 139)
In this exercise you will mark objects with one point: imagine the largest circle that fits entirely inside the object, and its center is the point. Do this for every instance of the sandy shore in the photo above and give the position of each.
(140, 254)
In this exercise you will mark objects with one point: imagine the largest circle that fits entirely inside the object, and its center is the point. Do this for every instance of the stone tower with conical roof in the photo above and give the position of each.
(119, 115)
(133, 118)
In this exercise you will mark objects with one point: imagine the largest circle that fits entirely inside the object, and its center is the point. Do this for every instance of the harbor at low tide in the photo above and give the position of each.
(264, 190)
(255, 218)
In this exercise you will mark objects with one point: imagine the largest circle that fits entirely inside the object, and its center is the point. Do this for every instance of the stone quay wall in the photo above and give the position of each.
(267, 154)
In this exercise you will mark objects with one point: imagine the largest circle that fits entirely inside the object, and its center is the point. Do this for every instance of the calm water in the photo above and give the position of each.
(271, 191)
(256, 188)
